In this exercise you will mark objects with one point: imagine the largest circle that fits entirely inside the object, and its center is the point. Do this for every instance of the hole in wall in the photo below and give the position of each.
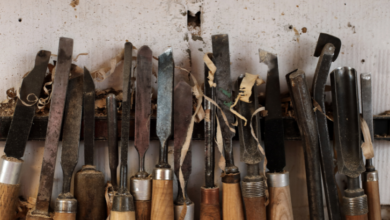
(194, 23)
(290, 27)
(363, 61)
(20, 19)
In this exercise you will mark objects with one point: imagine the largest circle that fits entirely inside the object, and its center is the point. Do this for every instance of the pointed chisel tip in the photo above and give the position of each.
(265, 56)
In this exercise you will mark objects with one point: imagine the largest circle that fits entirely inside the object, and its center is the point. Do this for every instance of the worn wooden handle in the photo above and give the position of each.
(64, 216)
(210, 207)
(232, 207)
(255, 208)
(374, 206)
(279, 206)
(8, 201)
(357, 217)
(122, 215)
(162, 200)
(30, 216)
(143, 209)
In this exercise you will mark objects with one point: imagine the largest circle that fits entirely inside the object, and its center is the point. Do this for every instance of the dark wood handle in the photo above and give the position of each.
(162, 200)
(210, 208)
(357, 217)
(9, 200)
(232, 207)
(64, 216)
(374, 206)
(279, 206)
(255, 208)
(143, 209)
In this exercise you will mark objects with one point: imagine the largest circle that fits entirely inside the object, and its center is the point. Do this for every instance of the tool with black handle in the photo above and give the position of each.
(347, 140)
(303, 109)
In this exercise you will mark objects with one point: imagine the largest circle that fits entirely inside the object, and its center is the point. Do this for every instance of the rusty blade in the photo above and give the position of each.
(112, 139)
(89, 117)
(143, 106)
(57, 105)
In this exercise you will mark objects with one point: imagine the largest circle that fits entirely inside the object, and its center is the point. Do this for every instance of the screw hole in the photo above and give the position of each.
(20, 20)
(290, 27)
(363, 61)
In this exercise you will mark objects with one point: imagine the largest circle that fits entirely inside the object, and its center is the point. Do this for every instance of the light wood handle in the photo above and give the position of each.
(8, 201)
(374, 206)
(210, 208)
(122, 215)
(255, 208)
(279, 206)
(64, 216)
(143, 209)
(38, 217)
(162, 200)
(232, 207)
(356, 217)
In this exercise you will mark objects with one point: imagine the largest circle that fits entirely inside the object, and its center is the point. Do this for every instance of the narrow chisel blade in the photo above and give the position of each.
(89, 117)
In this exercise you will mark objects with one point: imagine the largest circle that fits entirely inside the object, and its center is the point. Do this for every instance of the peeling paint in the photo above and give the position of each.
(189, 56)
(196, 37)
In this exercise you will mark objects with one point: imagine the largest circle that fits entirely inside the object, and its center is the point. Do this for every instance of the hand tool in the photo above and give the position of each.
(327, 49)
(232, 207)
(141, 183)
(253, 184)
(278, 178)
(89, 182)
(347, 139)
(209, 207)
(18, 134)
(182, 112)
(53, 132)
(370, 177)
(66, 204)
(303, 108)
(123, 204)
(162, 192)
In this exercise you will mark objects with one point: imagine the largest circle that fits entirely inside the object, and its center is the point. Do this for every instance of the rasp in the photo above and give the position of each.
(18, 135)
(232, 207)
(89, 184)
(303, 109)
(182, 112)
(327, 49)
(253, 184)
(277, 177)
(370, 177)
(141, 183)
(66, 204)
(209, 207)
(123, 204)
(112, 139)
(57, 105)
(347, 140)
(162, 192)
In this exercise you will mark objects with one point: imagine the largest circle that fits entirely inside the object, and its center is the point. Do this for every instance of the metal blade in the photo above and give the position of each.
(71, 131)
(220, 45)
(113, 155)
(164, 104)
(60, 85)
(23, 116)
(273, 123)
(89, 117)
(143, 106)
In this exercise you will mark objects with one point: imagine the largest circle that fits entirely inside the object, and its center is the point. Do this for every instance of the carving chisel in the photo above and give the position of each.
(123, 204)
(66, 204)
(370, 177)
(162, 192)
(253, 184)
(304, 114)
(18, 135)
(141, 183)
(182, 118)
(232, 207)
(89, 182)
(327, 49)
(209, 207)
(53, 132)
(278, 178)
(347, 138)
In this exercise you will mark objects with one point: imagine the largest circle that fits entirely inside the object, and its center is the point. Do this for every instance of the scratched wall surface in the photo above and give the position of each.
(289, 28)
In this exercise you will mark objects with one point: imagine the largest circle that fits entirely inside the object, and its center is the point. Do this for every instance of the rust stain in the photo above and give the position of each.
(304, 30)
(296, 34)
(74, 3)
(282, 13)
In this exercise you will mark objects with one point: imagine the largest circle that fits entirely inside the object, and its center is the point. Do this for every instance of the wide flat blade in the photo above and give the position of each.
(71, 130)
(23, 116)
(273, 123)
(89, 117)
(60, 85)
(112, 139)
(366, 96)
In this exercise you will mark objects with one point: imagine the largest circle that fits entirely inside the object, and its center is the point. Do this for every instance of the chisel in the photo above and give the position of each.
(347, 140)
(89, 182)
(253, 184)
(327, 49)
(303, 109)
(182, 117)
(123, 204)
(370, 177)
(278, 178)
(141, 183)
(162, 192)
(232, 207)
(209, 207)
(53, 132)
(66, 204)
(18, 135)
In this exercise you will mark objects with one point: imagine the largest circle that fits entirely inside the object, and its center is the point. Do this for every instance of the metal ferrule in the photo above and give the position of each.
(189, 214)
(123, 203)
(278, 179)
(253, 189)
(10, 171)
(370, 176)
(355, 206)
(66, 206)
(162, 174)
(141, 189)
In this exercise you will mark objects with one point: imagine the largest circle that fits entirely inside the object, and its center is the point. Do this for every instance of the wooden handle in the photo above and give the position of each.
(64, 216)
(30, 216)
(209, 207)
(255, 208)
(232, 207)
(122, 215)
(279, 206)
(374, 206)
(356, 217)
(8, 201)
(143, 209)
(162, 200)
